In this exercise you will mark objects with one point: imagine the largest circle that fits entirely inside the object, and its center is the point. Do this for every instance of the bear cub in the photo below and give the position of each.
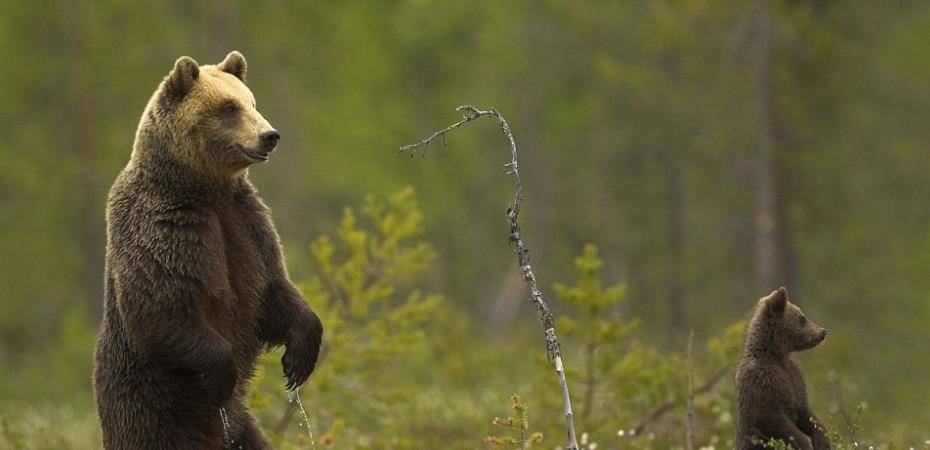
(195, 285)
(771, 394)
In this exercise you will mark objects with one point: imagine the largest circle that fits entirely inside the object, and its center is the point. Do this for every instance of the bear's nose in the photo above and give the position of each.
(269, 139)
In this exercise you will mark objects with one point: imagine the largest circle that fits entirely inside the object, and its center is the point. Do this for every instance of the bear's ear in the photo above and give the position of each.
(776, 302)
(181, 79)
(234, 64)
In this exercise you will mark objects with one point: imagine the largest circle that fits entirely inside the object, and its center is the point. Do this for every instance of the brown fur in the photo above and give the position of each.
(195, 285)
(771, 394)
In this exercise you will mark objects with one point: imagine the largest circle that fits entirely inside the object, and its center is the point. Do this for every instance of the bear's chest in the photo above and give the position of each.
(793, 384)
(245, 261)
(240, 278)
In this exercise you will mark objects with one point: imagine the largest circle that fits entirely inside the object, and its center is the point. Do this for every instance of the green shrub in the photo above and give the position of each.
(515, 428)
(374, 324)
(404, 369)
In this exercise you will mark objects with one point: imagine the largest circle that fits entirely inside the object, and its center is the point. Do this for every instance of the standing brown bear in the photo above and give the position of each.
(771, 394)
(195, 285)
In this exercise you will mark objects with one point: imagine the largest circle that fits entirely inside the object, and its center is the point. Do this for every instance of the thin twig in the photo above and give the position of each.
(285, 420)
(849, 424)
(553, 351)
(689, 406)
(664, 408)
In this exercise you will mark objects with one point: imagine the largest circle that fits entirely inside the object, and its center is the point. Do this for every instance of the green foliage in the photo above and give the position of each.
(401, 369)
(639, 121)
(598, 322)
(359, 289)
(374, 321)
(515, 427)
(840, 437)
(727, 348)
(619, 379)
(776, 444)
(27, 426)
(599, 334)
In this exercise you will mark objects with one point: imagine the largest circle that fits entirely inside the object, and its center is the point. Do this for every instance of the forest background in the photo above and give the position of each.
(711, 151)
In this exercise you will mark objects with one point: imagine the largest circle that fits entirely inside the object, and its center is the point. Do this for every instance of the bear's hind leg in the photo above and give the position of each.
(251, 437)
(245, 433)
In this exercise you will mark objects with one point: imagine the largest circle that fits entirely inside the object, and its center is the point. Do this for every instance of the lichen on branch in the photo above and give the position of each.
(553, 351)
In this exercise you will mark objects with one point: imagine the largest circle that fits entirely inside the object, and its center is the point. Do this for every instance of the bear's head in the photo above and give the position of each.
(209, 117)
(780, 327)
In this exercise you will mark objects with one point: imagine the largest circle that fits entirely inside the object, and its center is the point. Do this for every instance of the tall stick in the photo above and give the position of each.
(553, 351)
(689, 407)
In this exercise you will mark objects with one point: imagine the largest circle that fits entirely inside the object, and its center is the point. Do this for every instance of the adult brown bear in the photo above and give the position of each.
(195, 285)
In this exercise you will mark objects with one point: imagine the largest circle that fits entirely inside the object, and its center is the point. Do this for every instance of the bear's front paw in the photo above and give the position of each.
(219, 380)
(820, 442)
(301, 351)
(804, 444)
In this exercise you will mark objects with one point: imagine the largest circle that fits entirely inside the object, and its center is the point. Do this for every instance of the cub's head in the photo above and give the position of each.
(779, 323)
(210, 116)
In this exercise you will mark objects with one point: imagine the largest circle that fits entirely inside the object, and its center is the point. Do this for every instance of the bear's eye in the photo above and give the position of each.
(802, 320)
(229, 107)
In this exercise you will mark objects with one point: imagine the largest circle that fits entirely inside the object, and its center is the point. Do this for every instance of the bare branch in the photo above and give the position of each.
(553, 351)
(664, 408)
(289, 412)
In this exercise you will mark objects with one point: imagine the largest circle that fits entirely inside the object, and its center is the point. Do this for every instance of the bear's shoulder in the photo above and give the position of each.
(756, 371)
(751, 367)
(147, 228)
(142, 196)
(769, 382)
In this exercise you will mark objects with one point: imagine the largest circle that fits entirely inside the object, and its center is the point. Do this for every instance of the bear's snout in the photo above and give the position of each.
(269, 140)
(819, 337)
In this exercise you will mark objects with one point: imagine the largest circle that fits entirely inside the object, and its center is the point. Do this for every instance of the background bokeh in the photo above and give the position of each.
(713, 151)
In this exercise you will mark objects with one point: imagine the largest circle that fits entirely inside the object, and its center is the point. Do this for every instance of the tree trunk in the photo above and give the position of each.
(765, 214)
(90, 204)
(676, 243)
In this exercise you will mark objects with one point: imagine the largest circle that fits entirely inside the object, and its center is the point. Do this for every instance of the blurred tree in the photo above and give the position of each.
(642, 129)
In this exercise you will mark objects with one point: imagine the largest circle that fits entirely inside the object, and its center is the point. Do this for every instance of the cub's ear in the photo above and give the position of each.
(181, 79)
(775, 303)
(234, 64)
